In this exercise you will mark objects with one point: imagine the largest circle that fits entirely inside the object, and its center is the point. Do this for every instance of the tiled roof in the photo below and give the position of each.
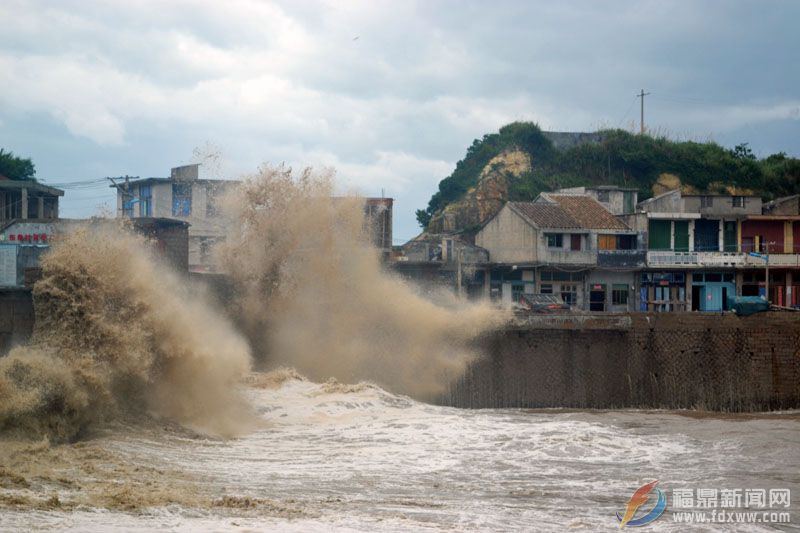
(546, 215)
(588, 212)
(568, 211)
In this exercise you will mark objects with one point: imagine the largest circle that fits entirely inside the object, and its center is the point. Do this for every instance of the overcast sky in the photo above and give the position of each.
(389, 93)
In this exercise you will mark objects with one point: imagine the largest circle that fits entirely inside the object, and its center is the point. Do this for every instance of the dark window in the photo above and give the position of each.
(619, 294)
(546, 275)
(713, 277)
(706, 235)
(575, 241)
(555, 240)
(546, 289)
(597, 298)
(626, 242)
(738, 201)
(181, 199)
(145, 201)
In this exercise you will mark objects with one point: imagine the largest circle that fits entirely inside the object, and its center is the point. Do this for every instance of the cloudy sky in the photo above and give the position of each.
(389, 93)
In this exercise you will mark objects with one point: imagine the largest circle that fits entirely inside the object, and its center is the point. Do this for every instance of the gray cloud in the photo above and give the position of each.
(106, 88)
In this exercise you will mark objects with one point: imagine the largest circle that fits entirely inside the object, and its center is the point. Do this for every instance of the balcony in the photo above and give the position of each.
(673, 259)
(621, 258)
(775, 260)
(569, 257)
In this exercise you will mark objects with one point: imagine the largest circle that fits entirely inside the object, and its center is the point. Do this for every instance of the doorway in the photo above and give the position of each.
(697, 297)
(597, 298)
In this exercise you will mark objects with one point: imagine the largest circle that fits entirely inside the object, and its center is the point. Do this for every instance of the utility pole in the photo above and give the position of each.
(458, 272)
(641, 119)
(766, 273)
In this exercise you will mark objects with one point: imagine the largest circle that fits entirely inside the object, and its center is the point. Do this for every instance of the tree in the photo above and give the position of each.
(16, 168)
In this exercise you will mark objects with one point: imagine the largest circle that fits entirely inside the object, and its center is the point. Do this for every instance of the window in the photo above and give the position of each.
(575, 242)
(706, 201)
(560, 275)
(181, 199)
(569, 293)
(602, 196)
(145, 201)
(546, 289)
(516, 291)
(206, 245)
(619, 294)
(626, 242)
(738, 201)
(554, 240)
(607, 242)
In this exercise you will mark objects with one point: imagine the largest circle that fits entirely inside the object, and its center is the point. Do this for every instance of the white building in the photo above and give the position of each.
(183, 196)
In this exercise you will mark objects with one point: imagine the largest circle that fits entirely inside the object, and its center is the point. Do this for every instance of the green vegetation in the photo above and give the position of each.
(15, 168)
(619, 158)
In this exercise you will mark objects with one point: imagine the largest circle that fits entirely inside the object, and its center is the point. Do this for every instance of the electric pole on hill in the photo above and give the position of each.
(641, 121)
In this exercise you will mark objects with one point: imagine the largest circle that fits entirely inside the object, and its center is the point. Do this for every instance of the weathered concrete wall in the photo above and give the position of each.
(16, 317)
(713, 362)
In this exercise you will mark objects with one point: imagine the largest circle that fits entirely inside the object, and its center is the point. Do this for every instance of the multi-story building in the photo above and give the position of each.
(702, 249)
(182, 196)
(28, 214)
(562, 243)
(617, 200)
(27, 199)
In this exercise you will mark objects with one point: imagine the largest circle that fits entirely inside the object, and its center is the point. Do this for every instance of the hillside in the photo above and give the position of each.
(520, 161)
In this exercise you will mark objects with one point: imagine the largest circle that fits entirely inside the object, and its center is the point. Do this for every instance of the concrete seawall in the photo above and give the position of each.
(690, 360)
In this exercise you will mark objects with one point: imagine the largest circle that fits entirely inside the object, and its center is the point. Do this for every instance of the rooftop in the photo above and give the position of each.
(31, 185)
(568, 211)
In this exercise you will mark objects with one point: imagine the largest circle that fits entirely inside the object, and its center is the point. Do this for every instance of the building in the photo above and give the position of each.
(617, 200)
(788, 205)
(704, 248)
(378, 218)
(23, 242)
(27, 199)
(182, 196)
(562, 243)
(433, 261)
(28, 217)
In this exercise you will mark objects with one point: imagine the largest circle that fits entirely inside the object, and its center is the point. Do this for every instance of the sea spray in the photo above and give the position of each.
(313, 295)
(117, 332)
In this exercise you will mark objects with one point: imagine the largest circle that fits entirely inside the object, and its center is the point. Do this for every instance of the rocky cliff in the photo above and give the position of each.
(485, 199)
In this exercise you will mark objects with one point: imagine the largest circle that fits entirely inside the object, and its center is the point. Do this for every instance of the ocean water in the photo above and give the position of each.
(333, 457)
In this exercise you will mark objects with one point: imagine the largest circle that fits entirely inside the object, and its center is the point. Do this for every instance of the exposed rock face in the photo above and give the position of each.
(668, 182)
(485, 199)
